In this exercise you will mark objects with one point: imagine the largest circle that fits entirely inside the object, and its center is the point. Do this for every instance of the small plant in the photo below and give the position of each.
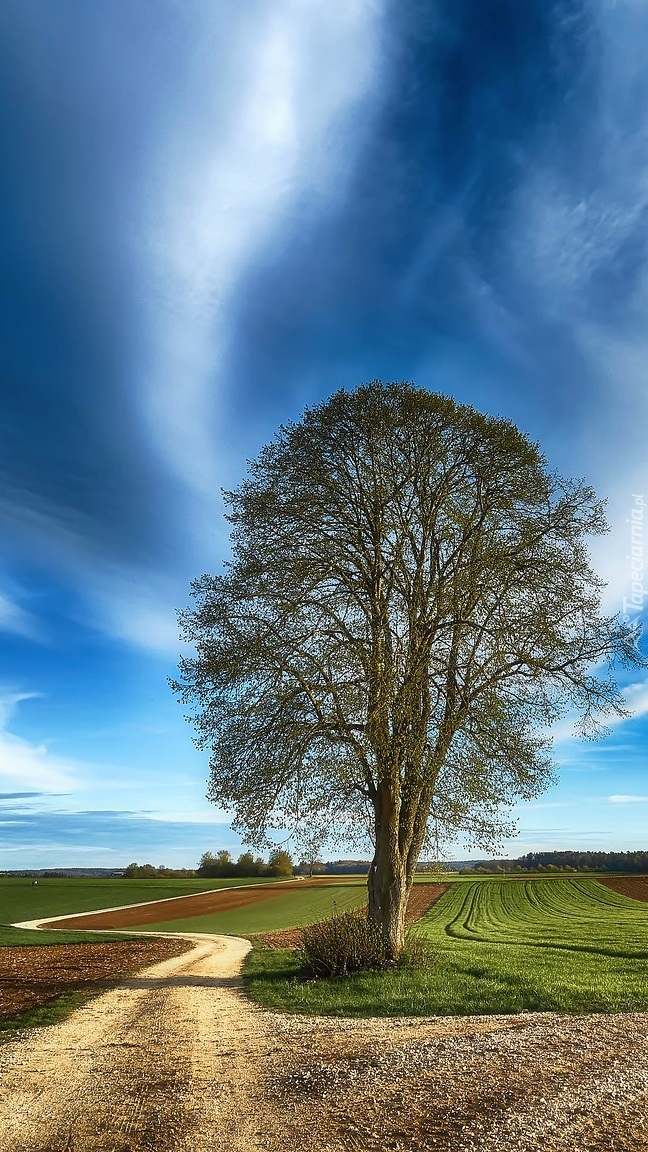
(348, 942)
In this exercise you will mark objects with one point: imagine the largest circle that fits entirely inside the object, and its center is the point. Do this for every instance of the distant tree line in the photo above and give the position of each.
(222, 865)
(136, 871)
(344, 867)
(567, 861)
(586, 861)
(219, 865)
(279, 864)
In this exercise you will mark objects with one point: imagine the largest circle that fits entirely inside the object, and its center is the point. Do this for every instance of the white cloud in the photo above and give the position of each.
(636, 696)
(24, 765)
(636, 700)
(549, 804)
(132, 604)
(577, 257)
(212, 815)
(17, 620)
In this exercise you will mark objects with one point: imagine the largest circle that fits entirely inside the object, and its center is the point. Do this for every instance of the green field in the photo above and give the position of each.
(57, 896)
(499, 945)
(568, 945)
(300, 905)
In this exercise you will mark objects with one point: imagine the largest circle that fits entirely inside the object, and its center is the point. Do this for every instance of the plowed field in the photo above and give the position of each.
(31, 976)
(634, 886)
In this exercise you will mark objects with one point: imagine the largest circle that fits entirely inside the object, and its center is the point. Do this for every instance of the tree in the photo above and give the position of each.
(409, 607)
(311, 867)
(245, 865)
(207, 865)
(225, 863)
(280, 863)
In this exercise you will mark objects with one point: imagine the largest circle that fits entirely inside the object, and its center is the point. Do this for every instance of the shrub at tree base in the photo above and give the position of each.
(345, 943)
(350, 943)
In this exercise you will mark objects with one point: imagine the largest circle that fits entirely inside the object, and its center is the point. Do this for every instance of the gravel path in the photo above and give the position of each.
(176, 1060)
(528, 1083)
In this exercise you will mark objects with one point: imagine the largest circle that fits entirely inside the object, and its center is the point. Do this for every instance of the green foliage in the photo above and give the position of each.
(587, 861)
(219, 865)
(311, 868)
(247, 865)
(554, 945)
(136, 871)
(280, 863)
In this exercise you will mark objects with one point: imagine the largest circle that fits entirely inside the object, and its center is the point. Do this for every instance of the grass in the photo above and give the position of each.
(290, 910)
(11, 937)
(50, 1013)
(56, 896)
(566, 945)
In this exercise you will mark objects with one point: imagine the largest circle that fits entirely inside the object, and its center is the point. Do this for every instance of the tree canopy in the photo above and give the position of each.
(409, 607)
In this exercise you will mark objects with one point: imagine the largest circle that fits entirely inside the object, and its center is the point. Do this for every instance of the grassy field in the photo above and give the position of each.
(19, 900)
(568, 945)
(298, 906)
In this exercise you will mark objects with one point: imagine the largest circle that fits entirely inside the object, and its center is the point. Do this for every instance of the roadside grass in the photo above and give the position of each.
(56, 896)
(50, 1013)
(568, 945)
(290, 910)
(11, 937)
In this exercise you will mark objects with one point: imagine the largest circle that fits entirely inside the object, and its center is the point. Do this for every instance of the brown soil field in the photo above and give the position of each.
(634, 886)
(180, 907)
(33, 975)
(421, 899)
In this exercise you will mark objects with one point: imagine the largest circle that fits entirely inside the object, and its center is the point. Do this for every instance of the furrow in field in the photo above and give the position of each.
(569, 913)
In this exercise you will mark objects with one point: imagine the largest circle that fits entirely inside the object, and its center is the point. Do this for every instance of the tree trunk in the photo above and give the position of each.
(388, 890)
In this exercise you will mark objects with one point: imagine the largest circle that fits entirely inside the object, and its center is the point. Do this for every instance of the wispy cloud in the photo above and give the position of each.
(39, 838)
(636, 700)
(17, 620)
(129, 601)
(28, 765)
(621, 799)
(287, 125)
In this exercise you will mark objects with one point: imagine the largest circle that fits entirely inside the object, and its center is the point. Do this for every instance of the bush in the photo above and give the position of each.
(345, 943)
(350, 943)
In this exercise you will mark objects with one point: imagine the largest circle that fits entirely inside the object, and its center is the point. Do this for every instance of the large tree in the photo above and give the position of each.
(409, 606)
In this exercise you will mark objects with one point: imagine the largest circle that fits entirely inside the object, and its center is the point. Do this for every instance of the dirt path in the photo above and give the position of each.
(167, 1060)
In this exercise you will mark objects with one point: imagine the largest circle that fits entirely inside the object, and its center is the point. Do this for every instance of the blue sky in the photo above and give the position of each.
(213, 214)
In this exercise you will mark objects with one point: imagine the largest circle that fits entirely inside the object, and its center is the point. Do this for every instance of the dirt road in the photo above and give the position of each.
(165, 1061)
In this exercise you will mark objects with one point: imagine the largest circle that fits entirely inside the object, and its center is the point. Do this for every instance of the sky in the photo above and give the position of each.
(215, 214)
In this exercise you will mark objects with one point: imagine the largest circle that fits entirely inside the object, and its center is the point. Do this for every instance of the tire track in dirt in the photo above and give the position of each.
(165, 1061)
